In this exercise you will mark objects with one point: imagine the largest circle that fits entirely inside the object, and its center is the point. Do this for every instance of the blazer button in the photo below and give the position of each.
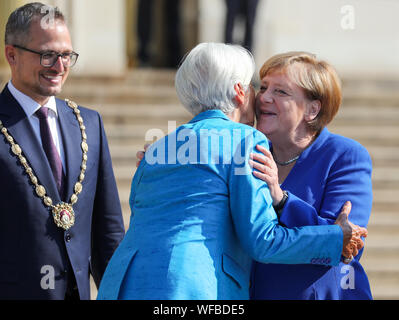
(68, 237)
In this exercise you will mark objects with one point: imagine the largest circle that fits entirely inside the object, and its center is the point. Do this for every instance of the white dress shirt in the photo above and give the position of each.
(30, 107)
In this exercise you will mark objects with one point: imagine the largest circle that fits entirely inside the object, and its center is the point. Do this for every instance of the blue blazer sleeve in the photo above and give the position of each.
(349, 179)
(135, 182)
(257, 226)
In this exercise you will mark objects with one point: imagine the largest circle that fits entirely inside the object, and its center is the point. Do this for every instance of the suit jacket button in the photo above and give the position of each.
(68, 237)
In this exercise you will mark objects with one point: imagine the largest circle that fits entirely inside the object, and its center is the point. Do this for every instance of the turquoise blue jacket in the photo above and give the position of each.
(199, 217)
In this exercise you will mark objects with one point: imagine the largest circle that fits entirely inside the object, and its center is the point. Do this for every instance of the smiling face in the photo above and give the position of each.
(282, 107)
(28, 75)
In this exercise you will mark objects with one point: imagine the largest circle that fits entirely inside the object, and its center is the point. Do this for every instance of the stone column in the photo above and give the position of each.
(98, 33)
(131, 32)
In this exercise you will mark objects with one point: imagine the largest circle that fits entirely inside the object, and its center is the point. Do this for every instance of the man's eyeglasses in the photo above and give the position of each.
(49, 58)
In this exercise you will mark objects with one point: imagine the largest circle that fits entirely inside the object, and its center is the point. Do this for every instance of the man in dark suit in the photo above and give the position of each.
(245, 8)
(170, 32)
(59, 206)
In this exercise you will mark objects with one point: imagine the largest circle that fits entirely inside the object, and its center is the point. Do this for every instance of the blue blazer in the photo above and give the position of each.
(332, 170)
(198, 222)
(33, 250)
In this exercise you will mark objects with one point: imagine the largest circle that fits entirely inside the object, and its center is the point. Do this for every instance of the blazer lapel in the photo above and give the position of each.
(16, 122)
(72, 139)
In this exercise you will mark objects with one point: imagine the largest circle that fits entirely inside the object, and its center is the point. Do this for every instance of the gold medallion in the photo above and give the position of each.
(63, 215)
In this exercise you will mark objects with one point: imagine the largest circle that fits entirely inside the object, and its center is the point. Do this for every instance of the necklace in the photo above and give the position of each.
(286, 163)
(63, 214)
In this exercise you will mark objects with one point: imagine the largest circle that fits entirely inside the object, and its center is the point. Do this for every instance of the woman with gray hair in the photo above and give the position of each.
(199, 217)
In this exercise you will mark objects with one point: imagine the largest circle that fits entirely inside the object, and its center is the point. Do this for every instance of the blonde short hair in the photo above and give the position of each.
(318, 78)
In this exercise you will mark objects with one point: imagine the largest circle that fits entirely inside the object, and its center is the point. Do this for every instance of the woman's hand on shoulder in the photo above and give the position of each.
(140, 154)
(266, 170)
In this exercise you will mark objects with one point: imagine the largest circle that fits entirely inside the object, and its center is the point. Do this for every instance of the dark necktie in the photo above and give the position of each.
(50, 149)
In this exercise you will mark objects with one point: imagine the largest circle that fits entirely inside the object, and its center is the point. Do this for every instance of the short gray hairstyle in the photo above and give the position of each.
(206, 78)
(19, 22)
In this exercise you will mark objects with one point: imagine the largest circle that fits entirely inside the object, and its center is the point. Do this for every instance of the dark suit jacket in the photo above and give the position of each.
(34, 252)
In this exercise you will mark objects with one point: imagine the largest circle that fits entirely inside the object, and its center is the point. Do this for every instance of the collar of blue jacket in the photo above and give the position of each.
(210, 114)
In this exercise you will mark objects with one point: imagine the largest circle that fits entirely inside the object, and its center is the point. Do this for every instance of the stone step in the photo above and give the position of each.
(386, 173)
(385, 177)
(131, 89)
(382, 231)
(383, 156)
(381, 263)
(97, 97)
(381, 206)
(384, 218)
(381, 83)
(132, 123)
(374, 93)
(381, 266)
(388, 242)
(369, 135)
(375, 99)
(140, 76)
(137, 112)
(386, 196)
(384, 285)
(360, 111)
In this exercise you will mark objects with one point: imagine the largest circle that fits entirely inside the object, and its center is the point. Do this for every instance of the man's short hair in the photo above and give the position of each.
(19, 22)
